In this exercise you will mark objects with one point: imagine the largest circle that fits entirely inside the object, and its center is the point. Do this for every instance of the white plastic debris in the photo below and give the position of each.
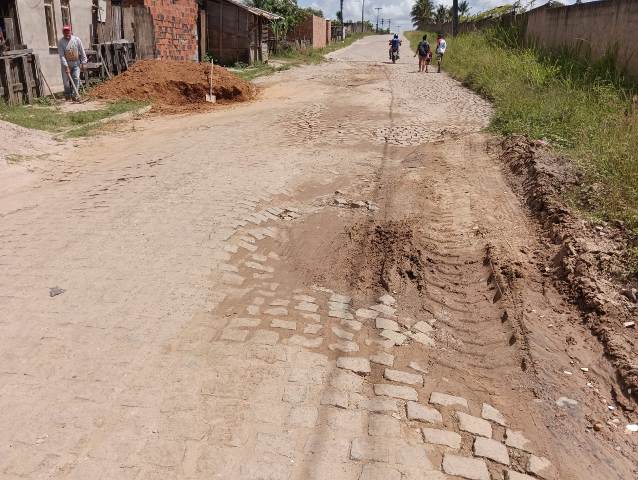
(585, 369)
(632, 427)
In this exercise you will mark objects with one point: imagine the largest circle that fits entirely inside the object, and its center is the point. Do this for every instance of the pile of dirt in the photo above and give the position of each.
(589, 258)
(174, 85)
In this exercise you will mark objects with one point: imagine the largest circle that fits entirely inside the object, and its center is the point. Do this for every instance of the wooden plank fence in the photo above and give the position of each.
(20, 79)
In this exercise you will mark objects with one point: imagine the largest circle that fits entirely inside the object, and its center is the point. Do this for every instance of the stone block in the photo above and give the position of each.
(341, 333)
(362, 449)
(465, 467)
(284, 324)
(541, 467)
(421, 413)
(346, 381)
(488, 448)
(366, 313)
(344, 346)
(383, 358)
(303, 416)
(396, 337)
(403, 377)
(276, 311)
(379, 472)
(475, 425)
(422, 338)
(423, 327)
(396, 391)
(234, 335)
(386, 310)
(385, 324)
(383, 426)
(354, 364)
(305, 342)
(446, 400)
(436, 436)
(334, 397)
(265, 337)
(516, 439)
(382, 405)
(488, 412)
(512, 475)
(243, 322)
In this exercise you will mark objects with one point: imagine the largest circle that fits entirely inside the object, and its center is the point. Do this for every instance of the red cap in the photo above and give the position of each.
(67, 28)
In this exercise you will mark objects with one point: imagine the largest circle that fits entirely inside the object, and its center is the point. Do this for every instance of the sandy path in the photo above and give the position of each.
(211, 283)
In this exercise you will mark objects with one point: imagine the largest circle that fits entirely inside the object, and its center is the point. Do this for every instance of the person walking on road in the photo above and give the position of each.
(441, 46)
(424, 52)
(72, 59)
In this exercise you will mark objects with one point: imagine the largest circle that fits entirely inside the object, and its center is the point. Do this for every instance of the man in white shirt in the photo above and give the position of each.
(72, 59)
(441, 46)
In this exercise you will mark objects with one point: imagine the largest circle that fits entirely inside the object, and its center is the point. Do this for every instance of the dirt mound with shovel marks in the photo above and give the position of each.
(174, 86)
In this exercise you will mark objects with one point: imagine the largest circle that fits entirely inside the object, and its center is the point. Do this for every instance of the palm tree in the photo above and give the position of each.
(421, 13)
(442, 14)
(464, 8)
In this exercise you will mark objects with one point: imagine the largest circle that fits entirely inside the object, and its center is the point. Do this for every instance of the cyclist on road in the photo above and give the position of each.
(394, 43)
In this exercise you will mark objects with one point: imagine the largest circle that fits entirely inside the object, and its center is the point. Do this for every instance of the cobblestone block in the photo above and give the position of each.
(366, 314)
(403, 377)
(285, 324)
(340, 314)
(395, 337)
(344, 346)
(304, 298)
(312, 329)
(340, 298)
(341, 333)
(307, 307)
(442, 437)
(422, 338)
(383, 426)
(465, 467)
(387, 300)
(386, 310)
(516, 439)
(492, 449)
(243, 322)
(303, 416)
(488, 412)
(421, 413)
(355, 364)
(475, 425)
(373, 471)
(265, 337)
(541, 467)
(396, 391)
(346, 380)
(382, 358)
(385, 324)
(382, 405)
(305, 342)
(334, 397)
(352, 324)
(294, 393)
(276, 311)
(423, 327)
(234, 335)
(446, 400)
(362, 449)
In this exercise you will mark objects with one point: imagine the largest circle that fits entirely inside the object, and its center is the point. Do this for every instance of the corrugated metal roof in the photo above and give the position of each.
(255, 11)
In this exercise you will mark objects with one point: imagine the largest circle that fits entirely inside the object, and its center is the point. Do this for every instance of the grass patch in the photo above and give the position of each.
(585, 109)
(47, 117)
(293, 57)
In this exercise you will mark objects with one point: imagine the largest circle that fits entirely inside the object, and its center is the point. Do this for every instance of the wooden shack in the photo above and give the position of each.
(232, 32)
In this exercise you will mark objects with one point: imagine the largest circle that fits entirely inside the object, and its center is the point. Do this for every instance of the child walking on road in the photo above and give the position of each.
(425, 54)
(441, 46)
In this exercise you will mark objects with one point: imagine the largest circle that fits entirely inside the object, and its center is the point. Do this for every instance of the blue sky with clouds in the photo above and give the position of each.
(396, 10)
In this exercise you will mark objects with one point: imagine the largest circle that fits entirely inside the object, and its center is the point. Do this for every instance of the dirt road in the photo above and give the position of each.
(334, 281)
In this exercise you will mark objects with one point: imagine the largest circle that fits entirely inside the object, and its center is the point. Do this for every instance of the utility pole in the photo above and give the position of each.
(389, 22)
(455, 18)
(363, 5)
(378, 9)
(343, 27)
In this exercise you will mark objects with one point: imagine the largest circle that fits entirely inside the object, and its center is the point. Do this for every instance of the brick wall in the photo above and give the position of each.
(312, 31)
(175, 23)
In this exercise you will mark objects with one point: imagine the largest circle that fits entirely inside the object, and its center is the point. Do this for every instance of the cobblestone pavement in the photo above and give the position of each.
(162, 317)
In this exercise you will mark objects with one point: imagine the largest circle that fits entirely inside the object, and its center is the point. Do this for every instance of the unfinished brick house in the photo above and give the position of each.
(313, 31)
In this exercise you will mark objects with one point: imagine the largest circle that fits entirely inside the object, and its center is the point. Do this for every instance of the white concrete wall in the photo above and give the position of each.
(34, 32)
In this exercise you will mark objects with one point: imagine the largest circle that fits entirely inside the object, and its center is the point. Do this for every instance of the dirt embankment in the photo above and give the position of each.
(588, 259)
(174, 86)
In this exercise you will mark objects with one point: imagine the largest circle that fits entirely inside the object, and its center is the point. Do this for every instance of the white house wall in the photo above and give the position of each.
(34, 32)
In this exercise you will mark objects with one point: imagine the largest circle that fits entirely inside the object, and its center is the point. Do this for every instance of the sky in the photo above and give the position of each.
(398, 11)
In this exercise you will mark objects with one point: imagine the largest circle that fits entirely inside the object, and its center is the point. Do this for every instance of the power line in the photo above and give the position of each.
(378, 9)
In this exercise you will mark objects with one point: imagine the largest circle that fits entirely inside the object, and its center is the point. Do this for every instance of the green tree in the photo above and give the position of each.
(441, 14)
(464, 8)
(421, 13)
(287, 9)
